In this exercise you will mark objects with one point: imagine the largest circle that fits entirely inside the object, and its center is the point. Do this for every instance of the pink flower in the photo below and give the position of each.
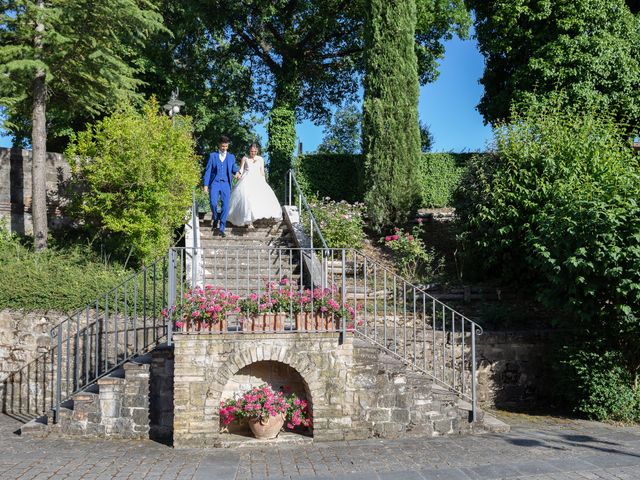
(394, 237)
(410, 238)
(387, 238)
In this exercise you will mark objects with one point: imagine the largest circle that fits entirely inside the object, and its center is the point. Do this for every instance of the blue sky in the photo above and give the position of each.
(448, 105)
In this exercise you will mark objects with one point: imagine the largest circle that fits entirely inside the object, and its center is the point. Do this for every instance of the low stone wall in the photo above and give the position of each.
(513, 369)
(23, 337)
(15, 188)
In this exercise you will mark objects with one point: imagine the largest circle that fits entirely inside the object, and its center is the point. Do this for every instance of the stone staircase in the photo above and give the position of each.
(136, 401)
(132, 402)
(245, 260)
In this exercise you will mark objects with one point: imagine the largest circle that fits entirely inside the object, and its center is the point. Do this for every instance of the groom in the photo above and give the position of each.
(221, 168)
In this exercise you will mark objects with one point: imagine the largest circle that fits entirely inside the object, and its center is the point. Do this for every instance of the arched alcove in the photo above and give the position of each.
(281, 376)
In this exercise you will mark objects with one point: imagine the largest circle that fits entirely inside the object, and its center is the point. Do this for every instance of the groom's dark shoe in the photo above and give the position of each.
(222, 234)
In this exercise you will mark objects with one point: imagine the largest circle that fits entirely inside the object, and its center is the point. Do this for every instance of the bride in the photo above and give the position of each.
(252, 198)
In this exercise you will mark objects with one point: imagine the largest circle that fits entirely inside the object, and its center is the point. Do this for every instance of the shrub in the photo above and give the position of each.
(62, 278)
(598, 385)
(330, 175)
(136, 172)
(341, 223)
(416, 261)
(557, 207)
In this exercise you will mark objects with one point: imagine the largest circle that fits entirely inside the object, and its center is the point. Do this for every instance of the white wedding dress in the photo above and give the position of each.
(252, 198)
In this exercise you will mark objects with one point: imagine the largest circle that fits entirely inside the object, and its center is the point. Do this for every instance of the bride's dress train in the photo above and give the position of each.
(252, 198)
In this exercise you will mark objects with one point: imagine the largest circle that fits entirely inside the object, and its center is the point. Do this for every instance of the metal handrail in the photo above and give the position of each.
(91, 343)
(302, 202)
(397, 316)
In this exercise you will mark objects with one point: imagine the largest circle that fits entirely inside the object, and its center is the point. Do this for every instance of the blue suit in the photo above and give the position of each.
(218, 177)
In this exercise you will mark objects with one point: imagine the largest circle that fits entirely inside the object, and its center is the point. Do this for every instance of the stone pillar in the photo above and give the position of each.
(161, 394)
(135, 405)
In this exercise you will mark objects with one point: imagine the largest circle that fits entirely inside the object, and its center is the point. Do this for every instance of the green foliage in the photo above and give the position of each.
(599, 386)
(440, 175)
(588, 48)
(341, 223)
(203, 201)
(330, 175)
(342, 135)
(136, 172)
(90, 57)
(391, 136)
(62, 278)
(282, 141)
(426, 138)
(215, 85)
(557, 207)
(416, 261)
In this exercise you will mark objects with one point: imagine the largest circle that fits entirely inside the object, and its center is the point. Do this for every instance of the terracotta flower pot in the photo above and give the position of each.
(206, 327)
(266, 428)
(311, 321)
(264, 322)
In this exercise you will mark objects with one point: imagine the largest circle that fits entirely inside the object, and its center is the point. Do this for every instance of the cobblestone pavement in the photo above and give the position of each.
(536, 449)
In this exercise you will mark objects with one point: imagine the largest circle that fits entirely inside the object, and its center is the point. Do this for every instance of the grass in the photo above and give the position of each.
(63, 278)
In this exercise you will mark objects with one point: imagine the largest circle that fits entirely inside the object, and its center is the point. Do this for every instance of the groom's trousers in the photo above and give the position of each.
(220, 190)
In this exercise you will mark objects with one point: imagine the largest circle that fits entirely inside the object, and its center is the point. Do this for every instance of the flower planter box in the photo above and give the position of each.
(205, 327)
(308, 321)
(264, 322)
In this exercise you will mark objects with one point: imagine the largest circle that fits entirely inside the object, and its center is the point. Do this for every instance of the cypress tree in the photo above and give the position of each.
(391, 136)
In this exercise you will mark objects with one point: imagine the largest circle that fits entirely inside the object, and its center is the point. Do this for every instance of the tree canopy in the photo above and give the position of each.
(342, 135)
(586, 48)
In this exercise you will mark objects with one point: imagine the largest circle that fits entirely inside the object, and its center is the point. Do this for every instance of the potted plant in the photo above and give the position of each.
(204, 309)
(203, 204)
(266, 411)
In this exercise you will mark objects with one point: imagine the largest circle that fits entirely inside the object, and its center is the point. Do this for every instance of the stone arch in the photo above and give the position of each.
(264, 353)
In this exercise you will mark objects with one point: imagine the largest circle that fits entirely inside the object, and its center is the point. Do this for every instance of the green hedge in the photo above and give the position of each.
(337, 176)
(440, 175)
(332, 175)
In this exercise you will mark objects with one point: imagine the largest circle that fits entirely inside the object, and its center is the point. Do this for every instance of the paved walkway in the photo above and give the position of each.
(536, 449)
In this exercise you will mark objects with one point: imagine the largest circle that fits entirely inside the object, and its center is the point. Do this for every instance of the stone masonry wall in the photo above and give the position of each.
(513, 369)
(354, 391)
(24, 336)
(15, 188)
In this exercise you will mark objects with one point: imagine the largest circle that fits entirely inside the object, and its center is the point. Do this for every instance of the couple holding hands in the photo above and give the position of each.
(250, 199)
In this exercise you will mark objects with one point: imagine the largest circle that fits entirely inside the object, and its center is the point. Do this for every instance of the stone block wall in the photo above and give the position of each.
(514, 370)
(15, 188)
(23, 337)
(354, 391)
(161, 394)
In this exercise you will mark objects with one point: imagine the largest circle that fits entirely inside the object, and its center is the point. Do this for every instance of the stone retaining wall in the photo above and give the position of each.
(514, 370)
(354, 391)
(23, 337)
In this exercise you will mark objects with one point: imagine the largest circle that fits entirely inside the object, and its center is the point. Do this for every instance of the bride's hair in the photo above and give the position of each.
(257, 147)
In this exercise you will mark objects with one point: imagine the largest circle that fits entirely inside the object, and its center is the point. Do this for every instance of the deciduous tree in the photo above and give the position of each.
(307, 55)
(586, 48)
